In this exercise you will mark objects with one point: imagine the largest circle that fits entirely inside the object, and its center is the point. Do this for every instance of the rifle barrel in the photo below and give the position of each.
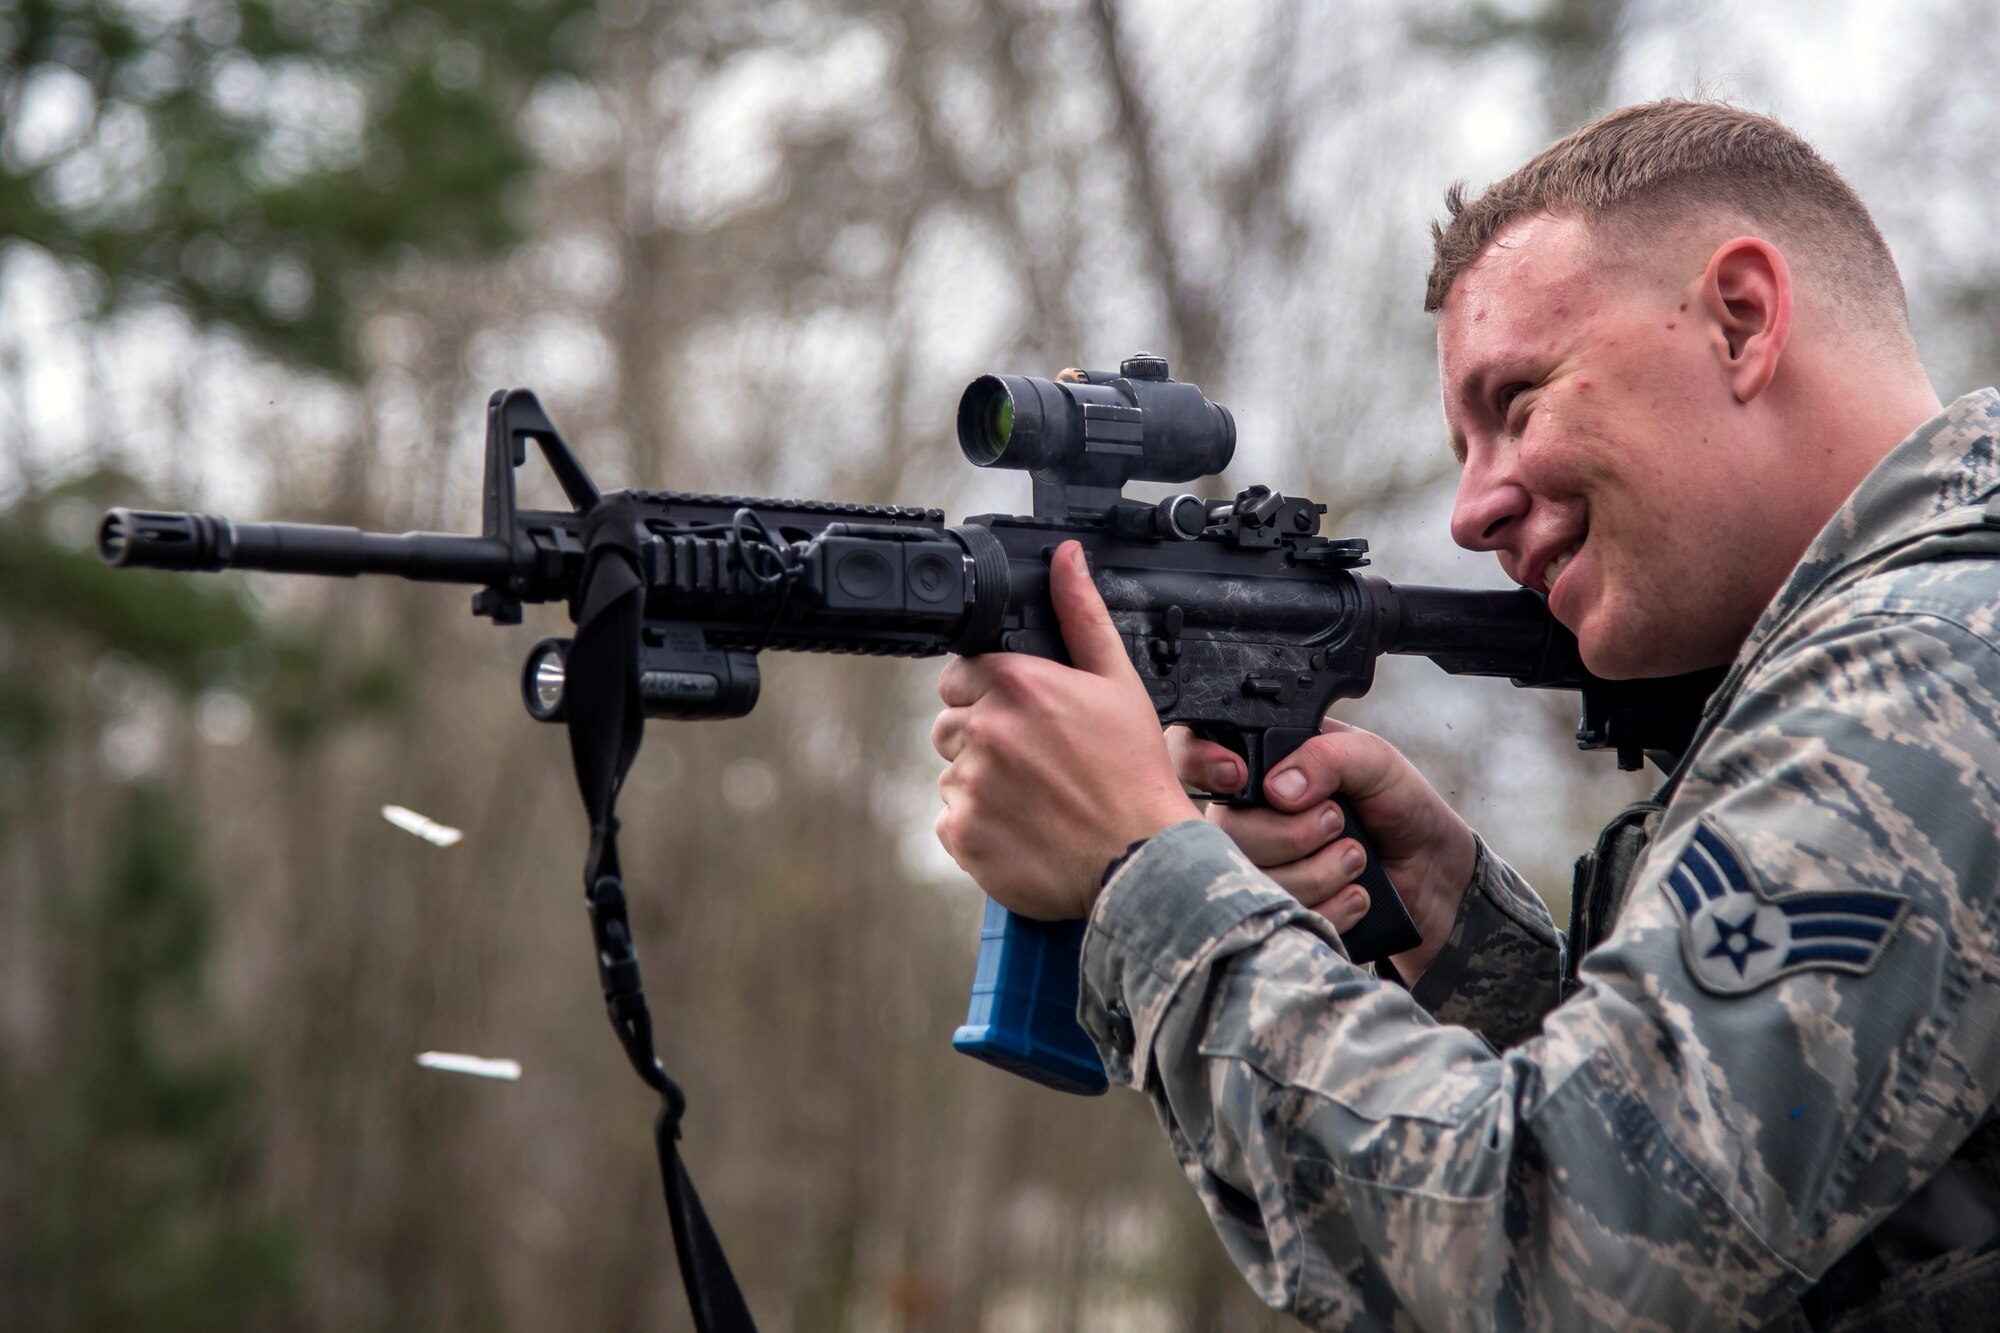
(146, 539)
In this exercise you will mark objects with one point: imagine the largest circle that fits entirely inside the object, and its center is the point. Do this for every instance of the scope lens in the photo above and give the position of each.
(999, 423)
(986, 421)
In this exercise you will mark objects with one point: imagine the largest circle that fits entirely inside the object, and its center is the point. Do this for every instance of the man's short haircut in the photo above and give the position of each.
(1634, 171)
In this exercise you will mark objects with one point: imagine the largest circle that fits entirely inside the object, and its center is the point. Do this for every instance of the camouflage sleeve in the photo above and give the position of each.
(1783, 1039)
(1501, 970)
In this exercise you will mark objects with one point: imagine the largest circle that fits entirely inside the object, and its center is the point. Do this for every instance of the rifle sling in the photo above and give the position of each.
(606, 724)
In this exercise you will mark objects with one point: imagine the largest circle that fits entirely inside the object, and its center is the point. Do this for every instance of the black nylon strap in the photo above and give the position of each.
(713, 1296)
(606, 724)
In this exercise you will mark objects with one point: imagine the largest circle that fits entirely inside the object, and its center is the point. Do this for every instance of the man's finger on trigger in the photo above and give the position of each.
(1204, 764)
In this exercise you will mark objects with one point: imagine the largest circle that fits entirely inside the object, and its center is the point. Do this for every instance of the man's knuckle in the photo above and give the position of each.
(1332, 862)
(1235, 822)
(1300, 882)
(973, 841)
(1304, 836)
(1321, 756)
(1029, 686)
(973, 782)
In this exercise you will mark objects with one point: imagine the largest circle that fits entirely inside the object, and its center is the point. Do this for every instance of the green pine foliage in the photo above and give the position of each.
(183, 629)
(129, 1200)
(139, 1194)
(255, 162)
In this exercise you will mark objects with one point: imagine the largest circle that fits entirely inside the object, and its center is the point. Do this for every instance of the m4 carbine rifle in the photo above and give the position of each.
(1243, 621)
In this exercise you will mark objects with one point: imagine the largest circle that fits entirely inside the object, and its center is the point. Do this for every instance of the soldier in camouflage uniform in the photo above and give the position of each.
(1753, 1085)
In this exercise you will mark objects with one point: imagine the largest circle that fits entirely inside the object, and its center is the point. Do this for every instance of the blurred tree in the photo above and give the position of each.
(253, 161)
(61, 606)
(131, 1199)
(255, 164)
(1577, 43)
(134, 1203)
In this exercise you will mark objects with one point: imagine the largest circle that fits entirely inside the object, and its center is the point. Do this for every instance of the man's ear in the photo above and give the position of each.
(1747, 292)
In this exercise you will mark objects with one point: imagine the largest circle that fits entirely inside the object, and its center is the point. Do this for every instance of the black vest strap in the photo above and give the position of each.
(1948, 1295)
(606, 724)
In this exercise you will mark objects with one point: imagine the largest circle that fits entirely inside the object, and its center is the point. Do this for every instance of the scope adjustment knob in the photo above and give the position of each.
(1144, 366)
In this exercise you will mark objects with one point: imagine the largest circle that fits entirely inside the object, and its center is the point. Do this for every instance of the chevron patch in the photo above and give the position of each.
(1737, 937)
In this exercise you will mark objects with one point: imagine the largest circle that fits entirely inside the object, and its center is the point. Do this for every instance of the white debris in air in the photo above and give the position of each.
(477, 1066)
(423, 826)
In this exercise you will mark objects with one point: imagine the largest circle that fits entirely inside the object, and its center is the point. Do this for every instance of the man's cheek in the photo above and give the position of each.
(1622, 636)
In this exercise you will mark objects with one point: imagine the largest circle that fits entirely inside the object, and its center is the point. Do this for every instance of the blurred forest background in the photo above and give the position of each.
(268, 257)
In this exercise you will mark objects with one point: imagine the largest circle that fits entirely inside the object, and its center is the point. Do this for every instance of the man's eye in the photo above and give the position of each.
(1504, 399)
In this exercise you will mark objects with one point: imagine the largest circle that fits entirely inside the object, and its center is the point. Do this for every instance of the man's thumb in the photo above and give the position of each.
(1093, 641)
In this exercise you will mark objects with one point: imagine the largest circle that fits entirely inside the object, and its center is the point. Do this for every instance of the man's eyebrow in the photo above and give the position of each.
(1471, 385)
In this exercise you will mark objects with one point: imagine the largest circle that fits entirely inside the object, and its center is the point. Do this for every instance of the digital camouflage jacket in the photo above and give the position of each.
(1788, 1036)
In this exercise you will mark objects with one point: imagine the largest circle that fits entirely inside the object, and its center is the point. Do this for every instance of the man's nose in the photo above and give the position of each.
(1487, 508)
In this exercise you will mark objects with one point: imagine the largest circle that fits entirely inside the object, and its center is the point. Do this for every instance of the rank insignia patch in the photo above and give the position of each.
(1737, 937)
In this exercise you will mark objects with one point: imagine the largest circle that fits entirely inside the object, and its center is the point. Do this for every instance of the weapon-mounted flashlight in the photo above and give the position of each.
(542, 680)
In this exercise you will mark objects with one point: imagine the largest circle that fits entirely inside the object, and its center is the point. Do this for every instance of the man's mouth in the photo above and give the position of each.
(1553, 570)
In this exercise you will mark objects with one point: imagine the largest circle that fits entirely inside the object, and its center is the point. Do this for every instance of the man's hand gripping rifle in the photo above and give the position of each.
(1244, 623)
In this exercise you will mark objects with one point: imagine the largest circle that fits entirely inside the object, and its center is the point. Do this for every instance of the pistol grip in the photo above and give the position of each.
(1386, 929)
